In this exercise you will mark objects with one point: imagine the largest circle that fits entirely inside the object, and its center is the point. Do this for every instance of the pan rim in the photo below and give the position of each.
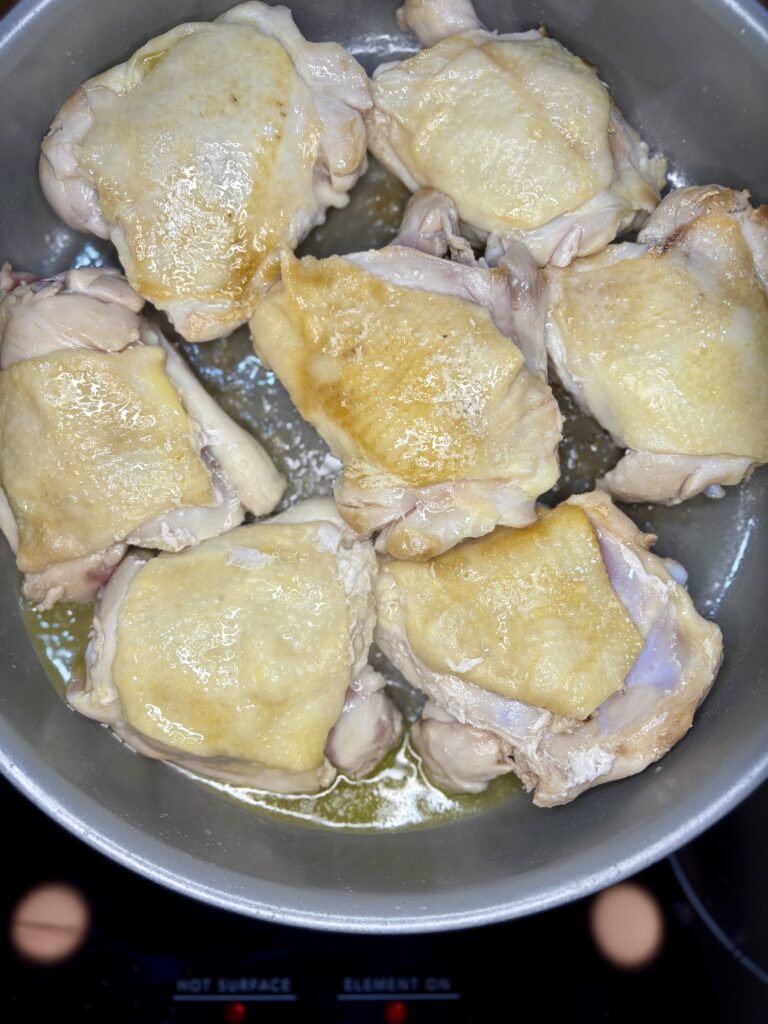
(103, 830)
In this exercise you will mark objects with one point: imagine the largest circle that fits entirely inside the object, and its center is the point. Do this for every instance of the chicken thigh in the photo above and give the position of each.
(665, 343)
(106, 437)
(214, 146)
(521, 134)
(426, 378)
(244, 658)
(566, 652)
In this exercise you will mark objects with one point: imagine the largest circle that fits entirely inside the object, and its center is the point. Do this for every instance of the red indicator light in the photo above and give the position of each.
(234, 1013)
(396, 1013)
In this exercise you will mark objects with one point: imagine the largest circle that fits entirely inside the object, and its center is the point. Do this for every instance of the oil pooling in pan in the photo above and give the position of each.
(397, 795)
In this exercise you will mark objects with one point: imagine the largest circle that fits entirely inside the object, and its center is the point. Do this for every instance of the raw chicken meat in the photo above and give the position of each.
(426, 377)
(459, 758)
(521, 134)
(368, 728)
(128, 447)
(244, 658)
(572, 658)
(665, 343)
(213, 147)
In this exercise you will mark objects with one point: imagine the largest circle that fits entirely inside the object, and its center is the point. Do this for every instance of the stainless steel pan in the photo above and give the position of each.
(693, 77)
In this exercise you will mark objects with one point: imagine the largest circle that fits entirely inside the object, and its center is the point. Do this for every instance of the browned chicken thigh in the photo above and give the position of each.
(245, 658)
(426, 376)
(566, 652)
(665, 343)
(521, 134)
(214, 146)
(129, 448)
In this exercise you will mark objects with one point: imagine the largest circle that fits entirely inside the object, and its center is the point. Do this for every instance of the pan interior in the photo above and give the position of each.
(672, 74)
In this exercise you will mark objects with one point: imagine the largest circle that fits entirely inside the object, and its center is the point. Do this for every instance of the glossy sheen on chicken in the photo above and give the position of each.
(521, 134)
(245, 657)
(214, 146)
(565, 652)
(129, 448)
(528, 614)
(665, 343)
(407, 365)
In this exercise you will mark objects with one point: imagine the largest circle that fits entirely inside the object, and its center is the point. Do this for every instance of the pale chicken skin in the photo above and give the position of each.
(214, 146)
(521, 134)
(566, 652)
(106, 437)
(245, 658)
(665, 343)
(426, 378)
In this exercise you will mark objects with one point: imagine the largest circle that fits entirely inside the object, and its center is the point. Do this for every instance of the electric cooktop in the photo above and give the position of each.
(685, 940)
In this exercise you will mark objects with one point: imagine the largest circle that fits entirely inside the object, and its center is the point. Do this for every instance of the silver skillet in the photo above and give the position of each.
(692, 76)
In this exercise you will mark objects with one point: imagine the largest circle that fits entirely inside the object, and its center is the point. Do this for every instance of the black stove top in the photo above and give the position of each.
(153, 956)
